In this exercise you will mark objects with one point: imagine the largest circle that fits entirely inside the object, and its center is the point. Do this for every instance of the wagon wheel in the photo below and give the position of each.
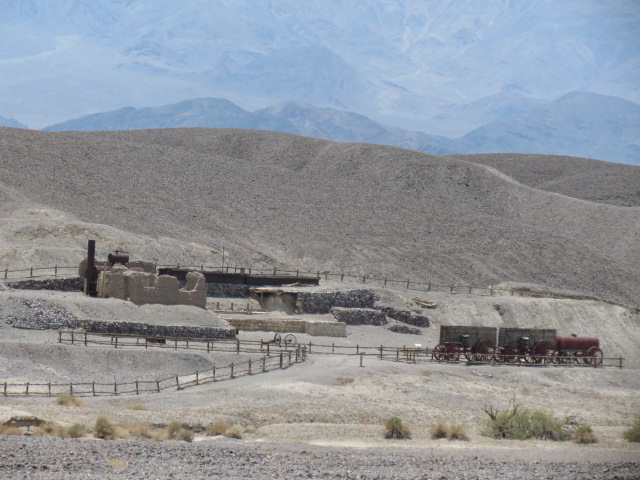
(581, 358)
(562, 358)
(439, 353)
(277, 339)
(595, 356)
(540, 351)
(290, 340)
(484, 351)
(511, 355)
(453, 353)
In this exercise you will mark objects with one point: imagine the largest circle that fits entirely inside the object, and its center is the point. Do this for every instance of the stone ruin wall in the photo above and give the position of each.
(141, 287)
(316, 328)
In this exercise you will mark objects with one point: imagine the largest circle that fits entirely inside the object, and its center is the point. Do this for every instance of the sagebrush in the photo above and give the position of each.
(633, 434)
(519, 423)
(394, 428)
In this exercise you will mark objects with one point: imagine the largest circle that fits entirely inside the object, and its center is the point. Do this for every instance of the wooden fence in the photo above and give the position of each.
(420, 286)
(282, 360)
(404, 353)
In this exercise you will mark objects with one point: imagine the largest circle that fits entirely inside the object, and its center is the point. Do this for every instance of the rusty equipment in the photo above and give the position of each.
(475, 343)
(91, 272)
(570, 349)
(530, 345)
(117, 257)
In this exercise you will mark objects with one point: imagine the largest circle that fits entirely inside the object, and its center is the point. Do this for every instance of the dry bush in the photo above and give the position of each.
(521, 424)
(173, 428)
(344, 380)
(458, 432)
(12, 431)
(116, 463)
(217, 428)
(51, 429)
(135, 406)
(77, 430)
(395, 429)
(439, 430)
(184, 435)
(449, 431)
(236, 431)
(69, 401)
(633, 434)
(138, 430)
(104, 429)
(160, 435)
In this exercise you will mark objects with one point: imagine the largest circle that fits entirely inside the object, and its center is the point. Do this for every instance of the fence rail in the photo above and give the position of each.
(404, 353)
(419, 286)
(282, 360)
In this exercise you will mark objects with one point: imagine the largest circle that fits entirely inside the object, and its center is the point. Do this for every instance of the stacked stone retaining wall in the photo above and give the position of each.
(69, 284)
(323, 302)
(164, 331)
(359, 316)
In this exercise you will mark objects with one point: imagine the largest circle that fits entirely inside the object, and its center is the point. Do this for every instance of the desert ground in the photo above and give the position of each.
(283, 201)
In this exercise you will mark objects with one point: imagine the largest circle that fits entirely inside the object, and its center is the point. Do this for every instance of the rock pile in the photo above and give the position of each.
(39, 314)
(71, 284)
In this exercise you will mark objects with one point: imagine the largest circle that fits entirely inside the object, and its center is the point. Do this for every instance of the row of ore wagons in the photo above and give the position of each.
(514, 345)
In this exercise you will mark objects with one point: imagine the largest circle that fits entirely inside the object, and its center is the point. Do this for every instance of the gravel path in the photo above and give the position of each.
(37, 458)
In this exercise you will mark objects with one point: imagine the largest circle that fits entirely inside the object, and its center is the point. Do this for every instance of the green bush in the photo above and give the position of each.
(77, 430)
(394, 428)
(520, 424)
(104, 428)
(633, 434)
(584, 434)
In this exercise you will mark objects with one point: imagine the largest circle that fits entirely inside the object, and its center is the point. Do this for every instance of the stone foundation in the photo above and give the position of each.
(326, 329)
(73, 284)
(163, 331)
(323, 302)
(406, 316)
(359, 316)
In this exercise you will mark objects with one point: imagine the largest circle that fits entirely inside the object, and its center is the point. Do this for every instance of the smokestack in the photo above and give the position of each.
(91, 273)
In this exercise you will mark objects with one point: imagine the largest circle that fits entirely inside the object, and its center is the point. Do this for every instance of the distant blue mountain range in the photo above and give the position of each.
(577, 124)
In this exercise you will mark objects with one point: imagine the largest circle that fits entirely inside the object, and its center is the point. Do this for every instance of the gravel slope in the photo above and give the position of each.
(277, 199)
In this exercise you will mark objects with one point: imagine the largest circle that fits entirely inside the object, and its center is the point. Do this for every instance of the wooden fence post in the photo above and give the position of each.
(93, 388)
(249, 366)
(280, 358)
(231, 369)
(158, 385)
(49, 389)
(26, 391)
(55, 271)
(71, 388)
(177, 382)
(115, 389)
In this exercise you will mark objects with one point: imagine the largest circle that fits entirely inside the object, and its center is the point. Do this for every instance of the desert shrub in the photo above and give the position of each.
(520, 424)
(439, 430)
(633, 434)
(136, 429)
(104, 428)
(394, 428)
(160, 435)
(184, 435)
(449, 431)
(12, 431)
(236, 431)
(458, 432)
(584, 434)
(69, 401)
(77, 430)
(135, 406)
(51, 429)
(173, 428)
(116, 463)
(218, 428)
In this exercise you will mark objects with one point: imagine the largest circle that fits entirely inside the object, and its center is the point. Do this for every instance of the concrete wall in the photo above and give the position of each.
(317, 328)
(140, 287)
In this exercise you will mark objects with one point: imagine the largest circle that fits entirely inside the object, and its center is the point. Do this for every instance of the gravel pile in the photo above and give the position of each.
(28, 458)
(39, 314)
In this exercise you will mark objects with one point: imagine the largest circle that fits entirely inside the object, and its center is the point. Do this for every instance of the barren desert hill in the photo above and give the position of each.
(585, 178)
(285, 200)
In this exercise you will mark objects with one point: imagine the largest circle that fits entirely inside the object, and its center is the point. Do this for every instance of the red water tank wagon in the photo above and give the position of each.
(573, 343)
